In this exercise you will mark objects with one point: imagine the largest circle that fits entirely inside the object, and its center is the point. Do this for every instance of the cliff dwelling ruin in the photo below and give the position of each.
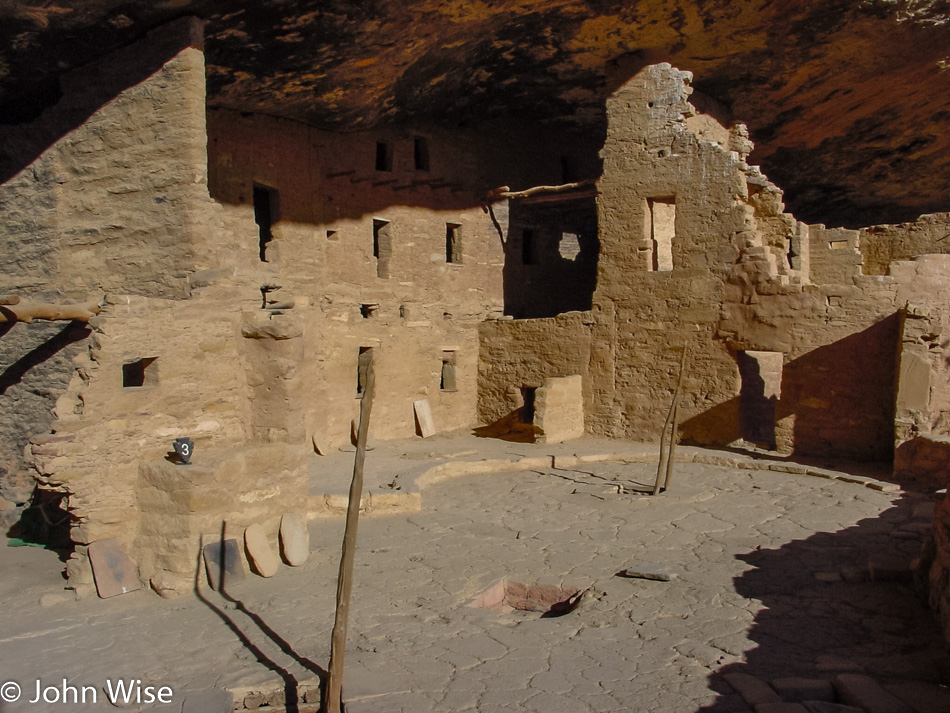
(197, 249)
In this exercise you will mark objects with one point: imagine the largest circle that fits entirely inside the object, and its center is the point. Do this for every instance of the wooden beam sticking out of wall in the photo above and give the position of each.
(506, 192)
(9, 299)
(29, 311)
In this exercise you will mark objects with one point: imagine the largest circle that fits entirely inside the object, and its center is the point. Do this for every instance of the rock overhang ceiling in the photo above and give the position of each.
(848, 100)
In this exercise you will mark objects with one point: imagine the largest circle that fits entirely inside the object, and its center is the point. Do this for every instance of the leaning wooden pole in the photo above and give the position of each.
(344, 585)
(664, 468)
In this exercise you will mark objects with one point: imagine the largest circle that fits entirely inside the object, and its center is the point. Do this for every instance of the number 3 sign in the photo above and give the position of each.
(184, 447)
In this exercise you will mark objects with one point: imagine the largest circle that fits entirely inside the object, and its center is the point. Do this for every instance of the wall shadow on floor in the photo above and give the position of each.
(292, 699)
(814, 629)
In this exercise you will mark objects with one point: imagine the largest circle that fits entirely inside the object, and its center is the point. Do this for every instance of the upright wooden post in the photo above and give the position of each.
(665, 466)
(344, 585)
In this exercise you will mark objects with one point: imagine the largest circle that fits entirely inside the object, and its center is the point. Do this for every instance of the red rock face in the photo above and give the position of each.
(846, 101)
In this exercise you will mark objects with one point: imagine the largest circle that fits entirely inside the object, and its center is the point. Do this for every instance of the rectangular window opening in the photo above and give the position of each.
(527, 410)
(332, 235)
(420, 152)
(447, 381)
(369, 310)
(661, 229)
(382, 247)
(384, 156)
(265, 215)
(140, 373)
(362, 369)
(528, 251)
(453, 243)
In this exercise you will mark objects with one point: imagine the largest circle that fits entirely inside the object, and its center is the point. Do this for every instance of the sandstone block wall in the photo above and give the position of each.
(559, 409)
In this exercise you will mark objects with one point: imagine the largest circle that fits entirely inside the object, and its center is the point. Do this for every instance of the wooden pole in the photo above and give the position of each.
(673, 439)
(28, 311)
(665, 466)
(344, 585)
(506, 192)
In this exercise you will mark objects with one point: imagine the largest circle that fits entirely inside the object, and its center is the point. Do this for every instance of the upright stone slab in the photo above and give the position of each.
(260, 554)
(424, 417)
(559, 409)
(112, 568)
(294, 539)
(223, 562)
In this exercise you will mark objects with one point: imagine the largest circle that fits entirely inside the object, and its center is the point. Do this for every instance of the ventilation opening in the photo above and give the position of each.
(661, 228)
(420, 152)
(369, 310)
(362, 369)
(331, 235)
(548, 599)
(447, 381)
(140, 373)
(528, 248)
(265, 215)
(568, 169)
(453, 243)
(569, 248)
(761, 387)
(384, 156)
(527, 410)
(382, 247)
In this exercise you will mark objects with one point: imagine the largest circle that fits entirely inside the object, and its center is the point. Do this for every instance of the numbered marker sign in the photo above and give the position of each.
(184, 447)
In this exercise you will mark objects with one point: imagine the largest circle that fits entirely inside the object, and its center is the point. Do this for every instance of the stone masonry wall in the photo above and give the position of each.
(99, 193)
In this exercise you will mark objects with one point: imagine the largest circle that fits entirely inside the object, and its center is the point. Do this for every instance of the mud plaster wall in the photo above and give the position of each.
(882, 244)
(329, 195)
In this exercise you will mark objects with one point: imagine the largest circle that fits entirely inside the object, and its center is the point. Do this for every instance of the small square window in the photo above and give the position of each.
(140, 373)
(369, 310)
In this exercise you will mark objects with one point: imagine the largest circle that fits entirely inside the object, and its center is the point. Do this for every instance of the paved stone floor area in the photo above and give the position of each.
(773, 581)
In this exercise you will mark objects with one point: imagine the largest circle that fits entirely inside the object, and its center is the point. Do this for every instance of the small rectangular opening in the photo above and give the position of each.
(527, 410)
(362, 368)
(382, 247)
(838, 244)
(384, 156)
(140, 372)
(331, 235)
(453, 243)
(661, 229)
(447, 381)
(369, 310)
(528, 251)
(568, 169)
(265, 215)
(420, 152)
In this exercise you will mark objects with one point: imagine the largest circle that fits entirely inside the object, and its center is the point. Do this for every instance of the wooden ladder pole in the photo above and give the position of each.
(344, 585)
(664, 468)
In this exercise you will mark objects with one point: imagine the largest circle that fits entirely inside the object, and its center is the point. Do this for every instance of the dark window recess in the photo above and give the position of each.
(420, 153)
(265, 215)
(382, 247)
(447, 382)
(384, 156)
(362, 368)
(331, 235)
(528, 248)
(369, 310)
(453, 243)
(527, 411)
(568, 169)
(141, 372)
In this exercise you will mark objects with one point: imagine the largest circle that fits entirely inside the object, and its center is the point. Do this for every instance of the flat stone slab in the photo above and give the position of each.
(424, 418)
(294, 539)
(752, 689)
(223, 561)
(113, 570)
(211, 701)
(798, 690)
(656, 572)
(261, 554)
(862, 691)
(826, 707)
